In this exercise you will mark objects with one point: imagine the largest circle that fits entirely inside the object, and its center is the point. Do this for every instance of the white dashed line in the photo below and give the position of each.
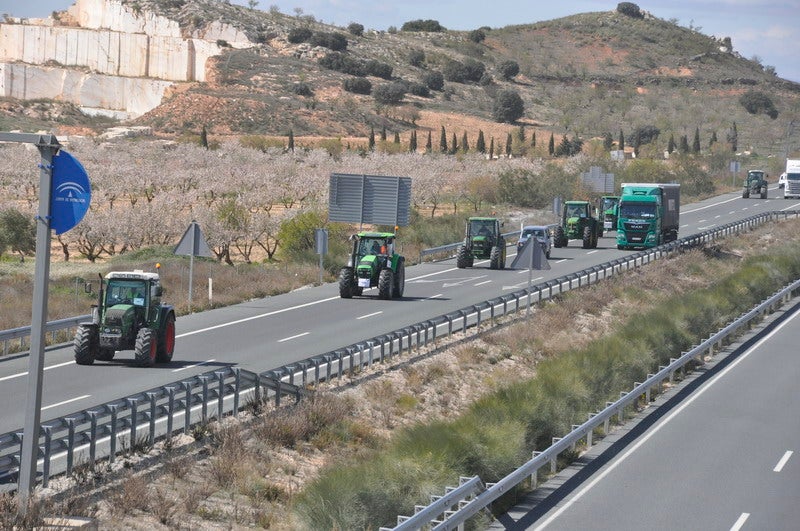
(293, 337)
(193, 366)
(368, 315)
(783, 461)
(66, 402)
(740, 522)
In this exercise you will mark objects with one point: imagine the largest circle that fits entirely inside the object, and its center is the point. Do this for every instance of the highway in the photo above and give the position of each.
(267, 333)
(722, 454)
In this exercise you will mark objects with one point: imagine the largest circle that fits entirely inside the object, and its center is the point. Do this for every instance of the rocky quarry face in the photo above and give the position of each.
(106, 57)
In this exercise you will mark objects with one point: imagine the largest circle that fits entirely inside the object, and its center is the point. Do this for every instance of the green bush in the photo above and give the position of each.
(378, 69)
(416, 57)
(422, 25)
(357, 85)
(757, 102)
(629, 9)
(508, 106)
(434, 80)
(508, 69)
(356, 29)
(298, 35)
(331, 40)
(389, 94)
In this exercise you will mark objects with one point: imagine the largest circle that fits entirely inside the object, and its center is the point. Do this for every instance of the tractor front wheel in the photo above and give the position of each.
(166, 340)
(347, 283)
(463, 258)
(746, 194)
(86, 344)
(146, 347)
(559, 238)
(385, 283)
(399, 279)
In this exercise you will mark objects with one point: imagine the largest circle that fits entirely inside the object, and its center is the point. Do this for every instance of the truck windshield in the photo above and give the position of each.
(793, 176)
(637, 210)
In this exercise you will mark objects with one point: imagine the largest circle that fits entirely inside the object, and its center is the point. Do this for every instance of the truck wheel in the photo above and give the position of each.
(146, 348)
(494, 258)
(347, 283)
(463, 258)
(166, 340)
(385, 283)
(588, 236)
(558, 237)
(399, 279)
(86, 344)
(105, 354)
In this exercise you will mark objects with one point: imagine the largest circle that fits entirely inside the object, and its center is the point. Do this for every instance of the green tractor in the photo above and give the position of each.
(609, 211)
(578, 223)
(373, 262)
(128, 315)
(483, 240)
(755, 184)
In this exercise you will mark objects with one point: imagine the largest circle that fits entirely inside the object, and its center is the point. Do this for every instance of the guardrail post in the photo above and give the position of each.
(113, 441)
(204, 405)
(237, 384)
(187, 407)
(220, 393)
(535, 473)
(590, 433)
(554, 460)
(170, 410)
(152, 438)
(93, 438)
(48, 441)
(70, 444)
(134, 405)
(607, 422)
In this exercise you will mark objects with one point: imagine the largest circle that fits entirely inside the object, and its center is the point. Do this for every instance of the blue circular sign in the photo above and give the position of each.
(70, 194)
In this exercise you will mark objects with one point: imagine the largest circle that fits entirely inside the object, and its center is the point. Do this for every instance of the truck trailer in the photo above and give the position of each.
(792, 186)
(648, 214)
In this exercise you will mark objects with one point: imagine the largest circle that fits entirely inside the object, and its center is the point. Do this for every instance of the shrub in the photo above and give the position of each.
(342, 63)
(418, 89)
(629, 9)
(330, 40)
(302, 89)
(454, 71)
(298, 35)
(508, 69)
(416, 57)
(422, 25)
(757, 102)
(508, 106)
(434, 80)
(390, 93)
(378, 69)
(357, 85)
(646, 134)
(474, 70)
(477, 35)
(356, 29)
(17, 232)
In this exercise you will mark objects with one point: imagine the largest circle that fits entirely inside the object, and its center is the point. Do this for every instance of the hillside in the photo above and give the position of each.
(583, 75)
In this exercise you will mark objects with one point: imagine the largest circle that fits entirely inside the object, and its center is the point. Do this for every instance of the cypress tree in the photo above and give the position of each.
(671, 144)
(429, 144)
(372, 138)
(684, 146)
(621, 141)
(509, 142)
(453, 145)
(551, 146)
(713, 139)
(733, 138)
(412, 144)
(464, 143)
(696, 142)
(480, 144)
(522, 133)
(204, 137)
(491, 148)
(608, 141)
(396, 137)
(291, 140)
(443, 142)
(533, 140)
(383, 133)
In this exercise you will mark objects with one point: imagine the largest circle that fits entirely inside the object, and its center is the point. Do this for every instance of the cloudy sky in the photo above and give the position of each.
(761, 28)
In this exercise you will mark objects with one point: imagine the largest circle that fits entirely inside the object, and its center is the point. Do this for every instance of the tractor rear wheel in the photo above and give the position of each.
(347, 283)
(399, 279)
(86, 344)
(463, 258)
(746, 194)
(146, 347)
(166, 340)
(588, 236)
(559, 239)
(105, 354)
(385, 283)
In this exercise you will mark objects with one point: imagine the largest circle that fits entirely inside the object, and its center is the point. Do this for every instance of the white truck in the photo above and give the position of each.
(792, 186)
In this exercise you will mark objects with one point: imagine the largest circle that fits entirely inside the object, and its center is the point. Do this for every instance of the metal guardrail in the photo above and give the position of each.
(121, 419)
(53, 327)
(448, 518)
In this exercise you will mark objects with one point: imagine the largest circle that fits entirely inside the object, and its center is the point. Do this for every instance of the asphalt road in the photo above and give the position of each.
(722, 454)
(267, 333)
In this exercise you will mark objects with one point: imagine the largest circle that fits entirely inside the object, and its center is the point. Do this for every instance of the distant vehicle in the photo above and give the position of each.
(755, 184)
(542, 235)
(792, 186)
(649, 215)
(608, 211)
(782, 180)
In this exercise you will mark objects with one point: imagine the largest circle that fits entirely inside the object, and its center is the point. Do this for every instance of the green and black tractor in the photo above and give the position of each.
(372, 263)
(578, 223)
(609, 211)
(483, 240)
(755, 184)
(128, 315)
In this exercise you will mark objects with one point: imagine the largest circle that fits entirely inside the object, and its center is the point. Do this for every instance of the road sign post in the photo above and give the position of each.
(194, 244)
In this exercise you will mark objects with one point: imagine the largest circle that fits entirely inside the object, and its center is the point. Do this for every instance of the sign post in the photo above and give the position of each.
(321, 246)
(194, 244)
(64, 196)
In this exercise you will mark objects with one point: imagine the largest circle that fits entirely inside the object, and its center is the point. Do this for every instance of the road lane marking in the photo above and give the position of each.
(562, 260)
(434, 296)
(373, 314)
(663, 422)
(702, 221)
(193, 366)
(711, 205)
(482, 283)
(592, 252)
(783, 461)
(740, 522)
(293, 337)
(66, 402)
(21, 374)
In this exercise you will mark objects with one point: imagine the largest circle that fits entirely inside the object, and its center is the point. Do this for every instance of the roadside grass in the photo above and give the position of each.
(501, 429)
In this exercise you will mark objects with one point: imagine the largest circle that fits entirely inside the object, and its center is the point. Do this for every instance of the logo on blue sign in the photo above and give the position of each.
(71, 192)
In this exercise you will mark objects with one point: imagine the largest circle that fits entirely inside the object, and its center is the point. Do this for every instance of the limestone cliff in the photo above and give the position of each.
(109, 57)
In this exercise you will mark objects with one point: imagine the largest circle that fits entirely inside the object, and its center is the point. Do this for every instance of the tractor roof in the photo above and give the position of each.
(136, 274)
(576, 202)
(479, 218)
(376, 234)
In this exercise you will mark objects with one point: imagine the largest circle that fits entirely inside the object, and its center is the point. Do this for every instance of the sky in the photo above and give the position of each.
(757, 28)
